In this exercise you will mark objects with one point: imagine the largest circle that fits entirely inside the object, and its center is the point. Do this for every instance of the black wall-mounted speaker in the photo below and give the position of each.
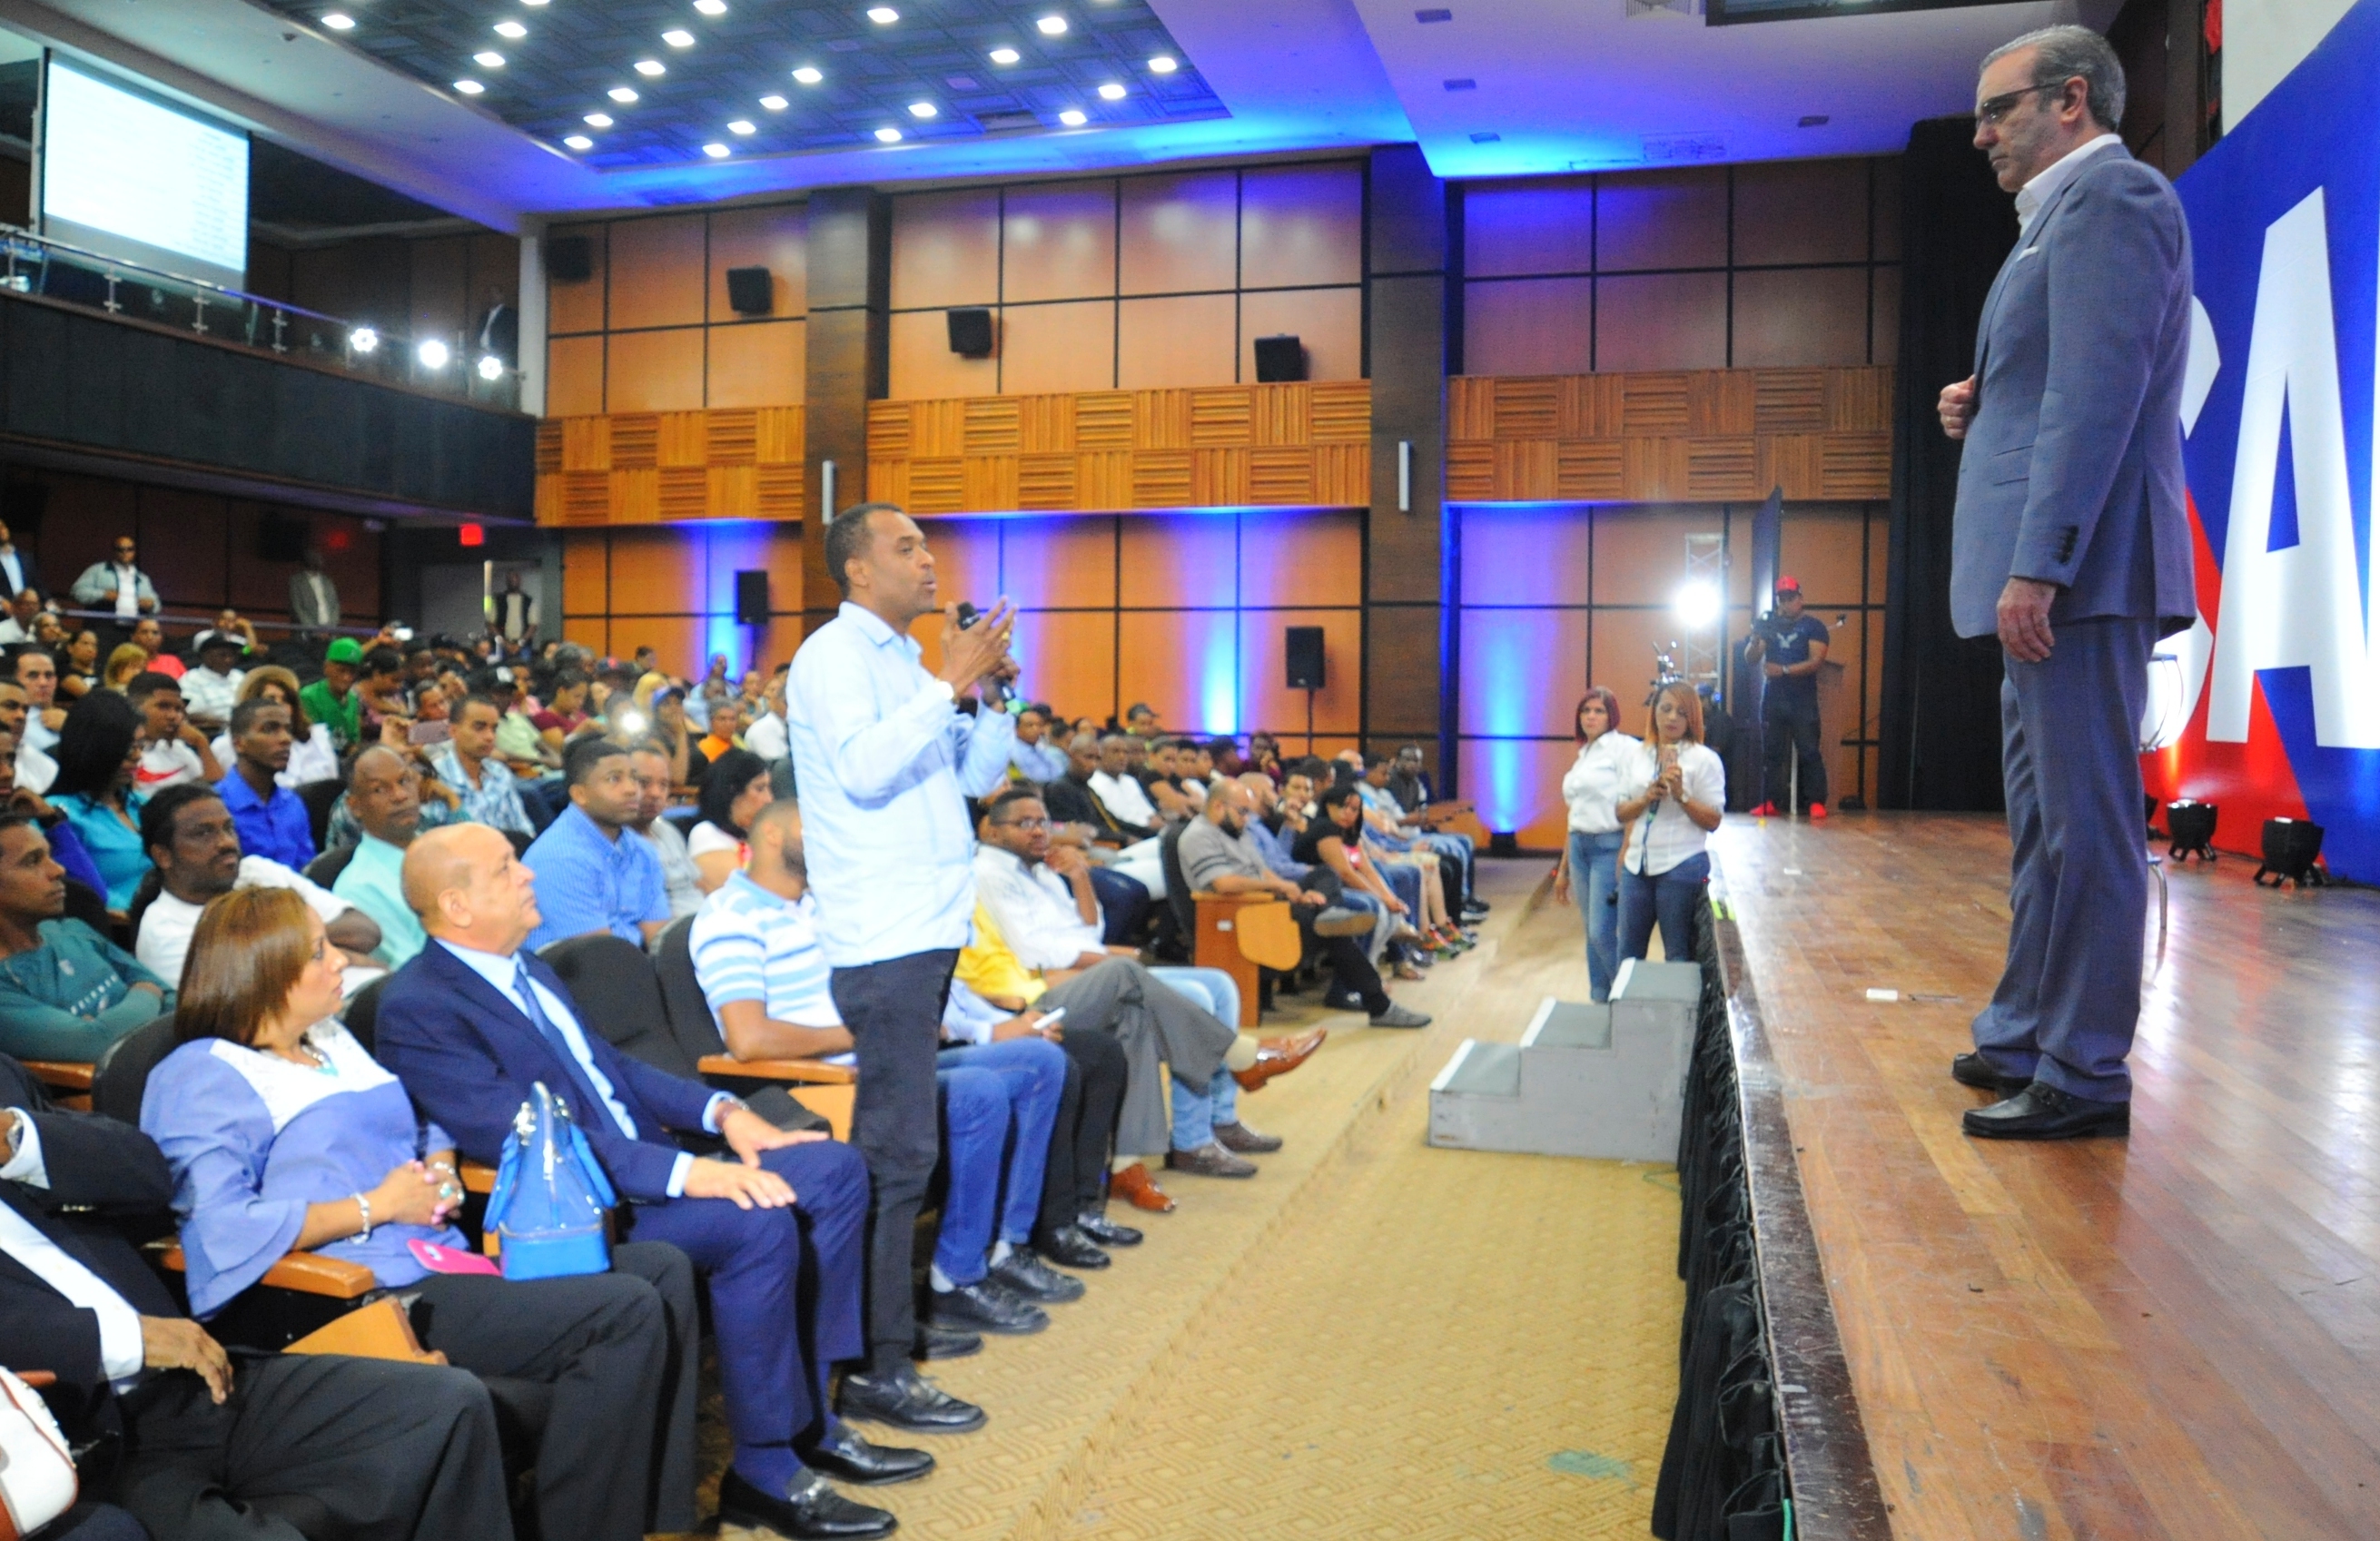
(1279, 360)
(282, 537)
(751, 597)
(751, 291)
(1303, 645)
(570, 259)
(971, 333)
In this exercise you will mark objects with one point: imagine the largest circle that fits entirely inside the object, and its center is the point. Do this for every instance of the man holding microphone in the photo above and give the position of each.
(886, 756)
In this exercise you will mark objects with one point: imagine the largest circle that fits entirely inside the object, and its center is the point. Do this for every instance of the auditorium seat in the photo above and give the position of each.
(319, 796)
(1242, 934)
(823, 1091)
(324, 869)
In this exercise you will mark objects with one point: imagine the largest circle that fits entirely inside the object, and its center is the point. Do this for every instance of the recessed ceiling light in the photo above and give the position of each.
(678, 37)
(890, 136)
(712, 7)
(599, 120)
(775, 104)
(578, 141)
(1163, 64)
(808, 76)
(883, 16)
(489, 60)
(1052, 26)
(339, 21)
(533, 2)
(651, 66)
(923, 109)
(469, 87)
(1005, 55)
(1073, 117)
(513, 29)
(1111, 93)
(1489, 137)
(742, 125)
(622, 94)
(715, 150)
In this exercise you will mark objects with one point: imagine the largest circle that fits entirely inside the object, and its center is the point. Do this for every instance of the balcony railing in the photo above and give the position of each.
(444, 363)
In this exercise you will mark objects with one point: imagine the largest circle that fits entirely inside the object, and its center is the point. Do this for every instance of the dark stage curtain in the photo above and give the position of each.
(1941, 713)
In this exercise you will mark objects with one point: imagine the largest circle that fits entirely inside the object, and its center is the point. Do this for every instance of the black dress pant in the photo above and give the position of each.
(1075, 1181)
(1789, 732)
(598, 1349)
(315, 1446)
(895, 1011)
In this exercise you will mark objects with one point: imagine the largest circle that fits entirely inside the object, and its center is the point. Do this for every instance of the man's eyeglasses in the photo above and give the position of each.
(1995, 112)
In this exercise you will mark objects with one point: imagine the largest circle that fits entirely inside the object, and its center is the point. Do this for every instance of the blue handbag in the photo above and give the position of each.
(551, 1199)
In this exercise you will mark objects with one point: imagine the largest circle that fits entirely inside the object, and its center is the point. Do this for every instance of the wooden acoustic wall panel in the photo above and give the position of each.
(1696, 435)
(1301, 445)
(670, 467)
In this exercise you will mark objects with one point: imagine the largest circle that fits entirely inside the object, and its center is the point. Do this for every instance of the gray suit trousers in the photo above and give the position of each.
(2071, 996)
(1158, 1027)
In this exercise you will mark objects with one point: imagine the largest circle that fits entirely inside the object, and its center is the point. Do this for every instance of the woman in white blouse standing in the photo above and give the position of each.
(1609, 767)
(1682, 791)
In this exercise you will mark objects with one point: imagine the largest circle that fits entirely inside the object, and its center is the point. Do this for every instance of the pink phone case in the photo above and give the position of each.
(447, 1260)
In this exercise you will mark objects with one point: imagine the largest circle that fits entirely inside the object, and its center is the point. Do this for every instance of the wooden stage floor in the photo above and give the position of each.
(2176, 1336)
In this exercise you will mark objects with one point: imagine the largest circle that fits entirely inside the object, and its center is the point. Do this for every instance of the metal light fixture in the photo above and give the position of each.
(363, 339)
(1005, 56)
(808, 75)
(432, 355)
(678, 37)
(1073, 117)
(490, 59)
(1111, 93)
(1052, 26)
(715, 150)
(597, 120)
(490, 366)
(469, 87)
(1163, 64)
(889, 136)
(650, 67)
(775, 104)
(512, 30)
(339, 21)
(578, 141)
(922, 109)
(623, 95)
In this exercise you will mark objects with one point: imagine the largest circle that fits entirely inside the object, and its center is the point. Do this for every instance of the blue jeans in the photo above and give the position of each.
(1595, 888)
(1123, 903)
(1210, 987)
(1197, 1113)
(989, 1089)
(1670, 896)
(1406, 883)
(1450, 843)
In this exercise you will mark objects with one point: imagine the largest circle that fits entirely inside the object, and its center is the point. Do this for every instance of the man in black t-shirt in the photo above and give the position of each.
(1789, 647)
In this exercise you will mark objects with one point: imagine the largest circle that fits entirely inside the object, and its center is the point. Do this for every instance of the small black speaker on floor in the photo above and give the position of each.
(2193, 826)
(570, 259)
(751, 291)
(752, 597)
(1304, 647)
(970, 333)
(1280, 359)
(2292, 847)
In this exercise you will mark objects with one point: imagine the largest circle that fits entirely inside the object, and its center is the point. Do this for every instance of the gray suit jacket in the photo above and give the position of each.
(307, 610)
(2073, 469)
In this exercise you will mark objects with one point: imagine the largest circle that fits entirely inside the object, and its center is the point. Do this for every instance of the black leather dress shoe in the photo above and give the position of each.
(1973, 1070)
(1022, 1273)
(986, 1305)
(943, 1342)
(810, 1510)
(2043, 1113)
(1105, 1231)
(846, 1457)
(1069, 1248)
(906, 1400)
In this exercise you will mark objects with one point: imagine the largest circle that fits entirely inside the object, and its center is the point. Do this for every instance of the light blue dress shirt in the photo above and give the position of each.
(1041, 762)
(886, 761)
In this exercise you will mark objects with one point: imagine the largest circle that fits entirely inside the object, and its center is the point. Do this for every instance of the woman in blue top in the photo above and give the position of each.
(284, 1134)
(98, 751)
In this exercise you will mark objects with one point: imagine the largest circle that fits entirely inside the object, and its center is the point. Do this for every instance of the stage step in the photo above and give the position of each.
(1584, 1079)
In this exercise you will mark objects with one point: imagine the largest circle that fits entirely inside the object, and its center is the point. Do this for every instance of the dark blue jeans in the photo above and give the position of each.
(1669, 896)
(999, 1103)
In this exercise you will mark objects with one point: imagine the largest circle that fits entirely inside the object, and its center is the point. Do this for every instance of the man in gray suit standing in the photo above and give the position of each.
(2072, 542)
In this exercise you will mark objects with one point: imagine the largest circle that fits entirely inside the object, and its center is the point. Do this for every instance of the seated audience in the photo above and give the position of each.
(765, 734)
(271, 819)
(735, 788)
(313, 755)
(1034, 757)
(207, 1445)
(284, 1136)
(1072, 799)
(1118, 789)
(230, 624)
(149, 636)
(17, 621)
(1335, 839)
(518, 744)
(66, 992)
(332, 701)
(38, 672)
(172, 752)
(191, 838)
(679, 875)
(381, 691)
(124, 661)
(212, 689)
(78, 659)
(470, 765)
(1411, 820)
(384, 795)
(473, 1021)
(66, 847)
(35, 770)
(1678, 791)
(670, 731)
(565, 714)
(725, 731)
(97, 755)
(600, 875)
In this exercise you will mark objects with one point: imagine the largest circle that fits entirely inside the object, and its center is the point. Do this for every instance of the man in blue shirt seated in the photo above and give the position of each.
(775, 1225)
(66, 992)
(271, 819)
(598, 876)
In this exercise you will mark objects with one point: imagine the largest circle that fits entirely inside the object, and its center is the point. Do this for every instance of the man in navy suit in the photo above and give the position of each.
(473, 1021)
(2072, 542)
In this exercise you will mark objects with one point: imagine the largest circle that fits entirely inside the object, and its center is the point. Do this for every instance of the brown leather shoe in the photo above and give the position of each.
(1279, 1057)
(1208, 1161)
(1241, 1140)
(1137, 1187)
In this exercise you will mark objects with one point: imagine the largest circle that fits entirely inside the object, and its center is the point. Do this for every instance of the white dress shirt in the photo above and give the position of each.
(11, 633)
(2044, 183)
(1604, 776)
(886, 761)
(1035, 910)
(35, 770)
(1669, 834)
(121, 1353)
(766, 736)
(1125, 798)
(15, 569)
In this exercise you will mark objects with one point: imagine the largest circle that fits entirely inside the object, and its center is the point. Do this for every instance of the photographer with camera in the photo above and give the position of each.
(1789, 647)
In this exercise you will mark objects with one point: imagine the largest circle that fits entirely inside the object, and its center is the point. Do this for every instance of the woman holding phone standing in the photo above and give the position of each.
(1663, 863)
(1609, 769)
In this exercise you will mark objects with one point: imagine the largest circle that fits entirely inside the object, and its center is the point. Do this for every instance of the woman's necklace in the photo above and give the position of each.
(304, 1053)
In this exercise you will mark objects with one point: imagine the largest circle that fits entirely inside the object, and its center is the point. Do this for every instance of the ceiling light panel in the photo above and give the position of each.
(830, 77)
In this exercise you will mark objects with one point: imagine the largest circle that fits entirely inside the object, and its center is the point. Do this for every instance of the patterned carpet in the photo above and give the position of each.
(1371, 1338)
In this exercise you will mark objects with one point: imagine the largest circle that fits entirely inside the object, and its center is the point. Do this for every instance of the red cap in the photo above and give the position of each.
(1789, 582)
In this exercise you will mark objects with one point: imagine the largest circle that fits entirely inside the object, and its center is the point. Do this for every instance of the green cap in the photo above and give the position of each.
(346, 649)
